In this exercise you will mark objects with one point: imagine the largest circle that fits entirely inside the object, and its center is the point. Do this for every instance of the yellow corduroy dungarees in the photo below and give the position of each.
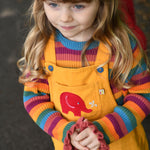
(86, 92)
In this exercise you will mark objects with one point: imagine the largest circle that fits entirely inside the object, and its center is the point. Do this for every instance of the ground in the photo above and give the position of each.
(17, 130)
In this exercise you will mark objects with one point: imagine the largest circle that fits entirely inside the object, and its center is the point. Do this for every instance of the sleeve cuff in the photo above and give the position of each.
(80, 125)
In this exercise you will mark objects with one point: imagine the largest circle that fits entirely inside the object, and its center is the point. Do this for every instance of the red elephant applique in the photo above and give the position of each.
(72, 102)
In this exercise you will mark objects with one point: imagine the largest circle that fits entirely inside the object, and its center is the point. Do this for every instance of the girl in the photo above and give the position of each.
(86, 81)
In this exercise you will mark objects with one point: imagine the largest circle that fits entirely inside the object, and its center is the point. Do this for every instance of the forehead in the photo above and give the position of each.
(71, 1)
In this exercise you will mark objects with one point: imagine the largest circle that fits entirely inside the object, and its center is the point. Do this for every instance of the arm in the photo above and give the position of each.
(133, 108)
(37, 103)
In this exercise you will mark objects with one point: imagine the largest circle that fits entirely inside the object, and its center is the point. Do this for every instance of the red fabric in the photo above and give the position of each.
(127, 7)
(74, 103)
(82, 124)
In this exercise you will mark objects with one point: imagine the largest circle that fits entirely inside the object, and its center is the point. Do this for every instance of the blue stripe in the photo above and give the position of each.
(127, 117)
(146, 95)
(141, 67)
(73, 45)
(132, 41)
(26, 98)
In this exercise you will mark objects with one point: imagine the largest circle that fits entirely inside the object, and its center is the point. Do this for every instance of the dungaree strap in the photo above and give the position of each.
(103, 54)
(49, 52)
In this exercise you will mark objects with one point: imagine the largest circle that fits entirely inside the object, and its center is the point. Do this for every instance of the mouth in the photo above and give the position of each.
(67, 27)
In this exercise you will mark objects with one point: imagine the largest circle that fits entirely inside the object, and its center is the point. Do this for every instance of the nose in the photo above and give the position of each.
(66, 16)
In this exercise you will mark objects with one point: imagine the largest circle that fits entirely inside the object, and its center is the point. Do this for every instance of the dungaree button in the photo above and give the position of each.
(50, 68)
(100, 70)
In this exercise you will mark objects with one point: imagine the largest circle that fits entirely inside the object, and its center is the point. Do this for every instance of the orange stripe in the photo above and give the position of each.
(117, 95)
(36, 84)
(137, 52)
(140, 115)
(32, 86)
(37, 110)
(111, 64)
(110, 127)
(137, 57)
(136, 62)
(107, 131)
(30, 89)
(144, 88)
(42, 87)
(59, 129)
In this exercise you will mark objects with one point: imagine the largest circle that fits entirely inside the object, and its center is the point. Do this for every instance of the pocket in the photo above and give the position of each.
(76, 101)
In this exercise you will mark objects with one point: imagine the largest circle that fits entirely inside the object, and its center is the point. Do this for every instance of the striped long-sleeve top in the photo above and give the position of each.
(131, 108)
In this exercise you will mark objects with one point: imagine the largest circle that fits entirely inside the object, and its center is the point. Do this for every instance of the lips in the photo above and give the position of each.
(67, 27)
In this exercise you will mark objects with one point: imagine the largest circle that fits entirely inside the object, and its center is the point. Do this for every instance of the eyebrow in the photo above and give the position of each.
(65, 1)
(52, 0)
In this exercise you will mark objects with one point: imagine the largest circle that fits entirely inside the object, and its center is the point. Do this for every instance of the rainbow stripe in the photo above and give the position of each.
(133, 104)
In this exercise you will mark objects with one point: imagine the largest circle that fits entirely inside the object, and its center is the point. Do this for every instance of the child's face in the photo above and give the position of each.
(73, 20)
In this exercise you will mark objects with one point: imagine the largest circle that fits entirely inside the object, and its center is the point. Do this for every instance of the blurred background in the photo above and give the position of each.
(17, 130)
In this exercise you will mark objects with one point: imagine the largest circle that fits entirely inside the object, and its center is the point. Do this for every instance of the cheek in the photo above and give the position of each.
(50, 15)
(93, 16)
(88, 21)
(52, 18)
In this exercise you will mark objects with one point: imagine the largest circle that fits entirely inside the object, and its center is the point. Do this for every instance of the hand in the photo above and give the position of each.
(75, 143)
(85, 140)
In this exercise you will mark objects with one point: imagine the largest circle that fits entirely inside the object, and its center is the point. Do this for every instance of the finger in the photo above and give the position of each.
(85, 120)
(75, 143)
(93, 145)
(86, 141)
(82, 135)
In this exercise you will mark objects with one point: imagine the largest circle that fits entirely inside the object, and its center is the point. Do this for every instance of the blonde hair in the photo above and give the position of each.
(110, 29)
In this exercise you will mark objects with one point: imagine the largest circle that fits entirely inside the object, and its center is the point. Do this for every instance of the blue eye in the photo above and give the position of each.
(79, 6)
(54, 5)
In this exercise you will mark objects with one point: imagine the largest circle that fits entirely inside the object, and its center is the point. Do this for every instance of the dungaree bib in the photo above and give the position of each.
(86, 92)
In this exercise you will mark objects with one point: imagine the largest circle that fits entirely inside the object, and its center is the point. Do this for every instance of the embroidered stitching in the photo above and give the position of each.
(93, 104)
